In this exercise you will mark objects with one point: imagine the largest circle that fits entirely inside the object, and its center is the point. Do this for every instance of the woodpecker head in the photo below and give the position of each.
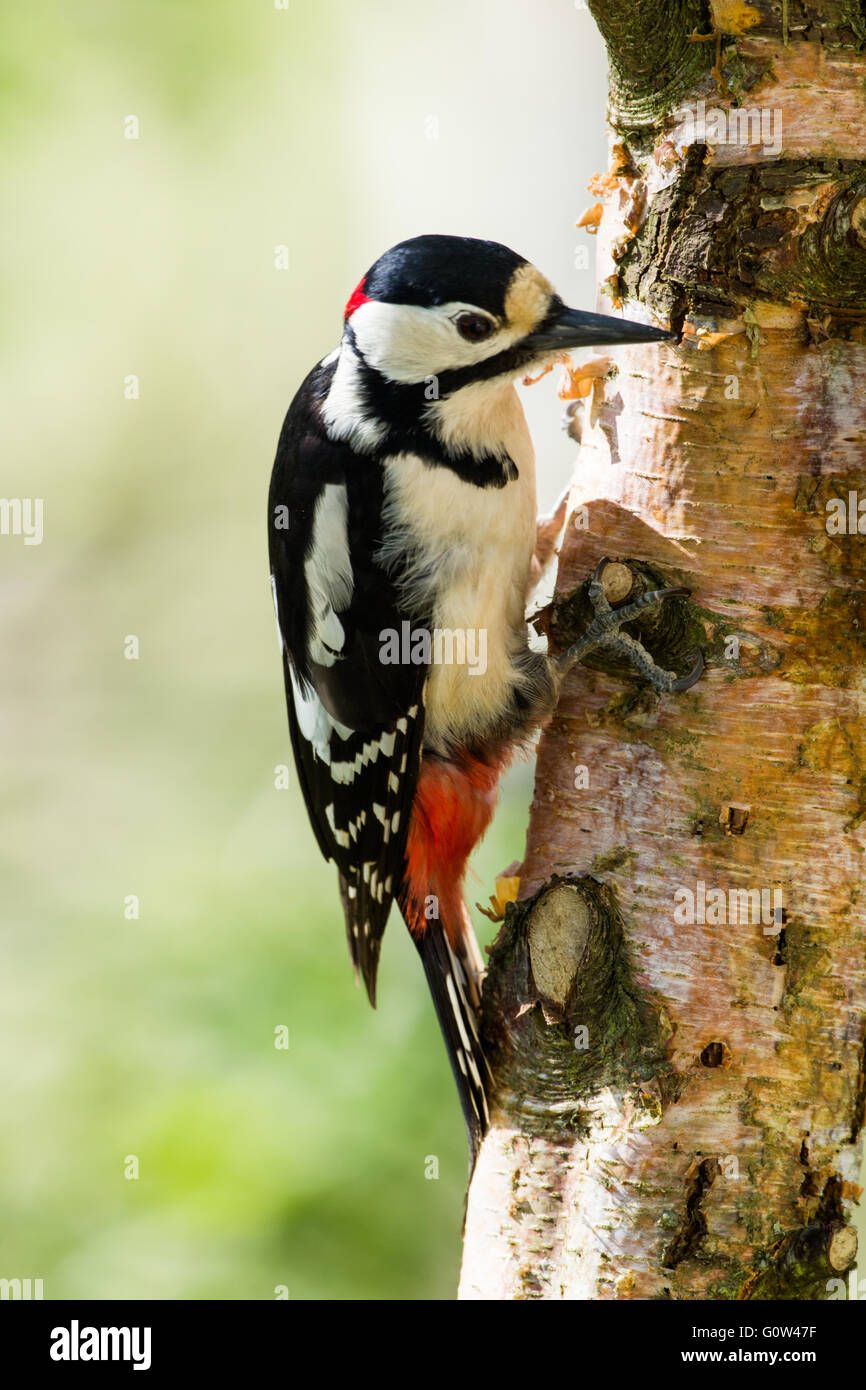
(466, 311)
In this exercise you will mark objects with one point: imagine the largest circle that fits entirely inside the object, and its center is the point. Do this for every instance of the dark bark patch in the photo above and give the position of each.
(734, 818)
(800, 1265)
(716, 1054)
(693, 1227)
(718, 238)
(588, 1025)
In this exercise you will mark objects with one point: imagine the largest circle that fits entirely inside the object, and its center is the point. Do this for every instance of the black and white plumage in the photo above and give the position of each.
(403, 500)
(356, 726)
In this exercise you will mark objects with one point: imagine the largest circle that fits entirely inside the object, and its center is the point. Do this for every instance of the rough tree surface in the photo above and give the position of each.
(675, 1008)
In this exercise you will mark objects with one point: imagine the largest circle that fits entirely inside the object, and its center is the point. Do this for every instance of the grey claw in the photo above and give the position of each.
(596, 574)
(658, 595)
(686, 682)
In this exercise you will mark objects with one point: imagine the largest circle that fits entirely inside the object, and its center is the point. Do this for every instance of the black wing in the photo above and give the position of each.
(356, 723)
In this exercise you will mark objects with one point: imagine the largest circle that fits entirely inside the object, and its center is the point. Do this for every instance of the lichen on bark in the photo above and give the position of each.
(653, 60)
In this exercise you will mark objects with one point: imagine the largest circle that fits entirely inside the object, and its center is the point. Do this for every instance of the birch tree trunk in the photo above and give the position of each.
(675, 1008)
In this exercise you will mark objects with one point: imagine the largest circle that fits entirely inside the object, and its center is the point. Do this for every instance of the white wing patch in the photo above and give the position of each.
(328, 572)
(314, 721)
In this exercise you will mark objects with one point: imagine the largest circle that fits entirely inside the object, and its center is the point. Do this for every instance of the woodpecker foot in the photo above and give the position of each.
(604, 632)
(507, 888)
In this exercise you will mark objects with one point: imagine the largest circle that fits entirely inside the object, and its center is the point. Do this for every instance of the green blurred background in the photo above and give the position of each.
(333, 129)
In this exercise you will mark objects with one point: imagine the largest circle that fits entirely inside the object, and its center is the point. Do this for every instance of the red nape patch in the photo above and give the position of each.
(356, 299)
(454, 804)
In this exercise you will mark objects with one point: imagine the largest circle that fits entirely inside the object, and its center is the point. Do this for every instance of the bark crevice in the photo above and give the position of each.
(699, 1179)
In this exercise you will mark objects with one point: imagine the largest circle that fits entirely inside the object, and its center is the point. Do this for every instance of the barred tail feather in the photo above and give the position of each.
(457, 1019)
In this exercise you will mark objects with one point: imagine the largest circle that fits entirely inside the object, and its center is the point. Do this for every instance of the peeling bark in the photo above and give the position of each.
(679, 1094)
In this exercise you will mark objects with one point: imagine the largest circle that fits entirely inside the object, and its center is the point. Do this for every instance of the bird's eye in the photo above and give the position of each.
(474, 327)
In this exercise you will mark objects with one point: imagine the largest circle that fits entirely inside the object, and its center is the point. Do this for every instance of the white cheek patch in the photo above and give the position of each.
(409, 344)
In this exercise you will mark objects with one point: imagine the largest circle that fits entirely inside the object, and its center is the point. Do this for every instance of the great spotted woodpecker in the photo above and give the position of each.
(402, 505)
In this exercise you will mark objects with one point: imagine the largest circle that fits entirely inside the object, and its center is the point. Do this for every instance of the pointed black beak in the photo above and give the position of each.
(572, 328)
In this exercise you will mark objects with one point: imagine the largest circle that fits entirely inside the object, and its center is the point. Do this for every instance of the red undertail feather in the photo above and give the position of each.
(454, 804)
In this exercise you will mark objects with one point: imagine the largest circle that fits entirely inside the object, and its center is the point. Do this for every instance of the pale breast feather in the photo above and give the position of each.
(462, 554)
